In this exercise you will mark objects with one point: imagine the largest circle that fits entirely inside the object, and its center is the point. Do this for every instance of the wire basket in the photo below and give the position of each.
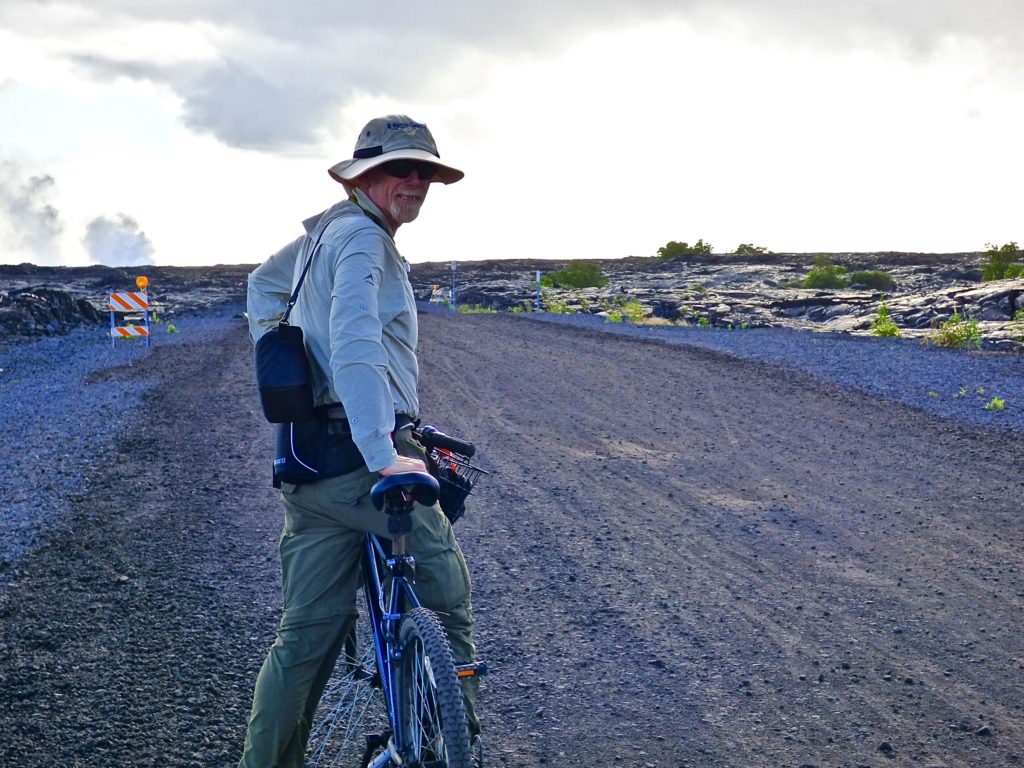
(456, 477)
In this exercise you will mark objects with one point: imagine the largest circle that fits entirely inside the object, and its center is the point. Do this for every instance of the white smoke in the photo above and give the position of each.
(117, 241)
(30, 225)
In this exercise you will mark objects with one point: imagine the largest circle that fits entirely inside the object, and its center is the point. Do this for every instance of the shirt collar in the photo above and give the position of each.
(370, 209)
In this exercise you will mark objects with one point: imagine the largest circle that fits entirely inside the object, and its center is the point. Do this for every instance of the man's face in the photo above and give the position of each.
(399, 198)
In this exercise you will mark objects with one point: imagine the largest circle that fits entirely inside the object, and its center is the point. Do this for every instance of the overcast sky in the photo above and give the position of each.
(199, 131)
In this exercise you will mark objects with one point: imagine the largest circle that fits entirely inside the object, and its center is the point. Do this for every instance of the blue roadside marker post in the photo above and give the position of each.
(453, 285)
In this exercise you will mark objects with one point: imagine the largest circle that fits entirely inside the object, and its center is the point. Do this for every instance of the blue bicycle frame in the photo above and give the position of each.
(384, 621)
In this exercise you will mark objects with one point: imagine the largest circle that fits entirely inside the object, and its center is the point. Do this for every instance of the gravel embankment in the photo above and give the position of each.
(953, 384)
(63, 397)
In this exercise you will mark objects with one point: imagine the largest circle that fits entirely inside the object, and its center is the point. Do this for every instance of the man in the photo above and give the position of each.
(358, 315)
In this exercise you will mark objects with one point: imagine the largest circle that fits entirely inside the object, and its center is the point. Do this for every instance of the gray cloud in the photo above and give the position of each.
(286, 69)
(117, 241)
(30, 223)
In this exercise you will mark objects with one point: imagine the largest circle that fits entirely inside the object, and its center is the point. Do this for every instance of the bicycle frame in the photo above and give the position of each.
(385, 605)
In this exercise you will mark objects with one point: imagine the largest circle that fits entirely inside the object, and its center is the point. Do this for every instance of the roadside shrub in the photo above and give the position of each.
(873, 278)
(884, 325)
(956, 333)
(474, 309)
(672, 249)
(746, 249)
(553, 305)
(825, 274)
(621, 309)
(1000, 258)
(1017, 326)
(577, 274)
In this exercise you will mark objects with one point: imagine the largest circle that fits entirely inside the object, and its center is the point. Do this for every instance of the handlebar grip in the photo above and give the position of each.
(431, 438)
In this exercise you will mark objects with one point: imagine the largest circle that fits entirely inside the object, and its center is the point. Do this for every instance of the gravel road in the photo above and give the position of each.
(682, 558)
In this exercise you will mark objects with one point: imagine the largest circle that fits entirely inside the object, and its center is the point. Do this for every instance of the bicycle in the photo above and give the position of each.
(396, 677)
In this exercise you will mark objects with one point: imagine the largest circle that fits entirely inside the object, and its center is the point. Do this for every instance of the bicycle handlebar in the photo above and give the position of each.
(431, 438)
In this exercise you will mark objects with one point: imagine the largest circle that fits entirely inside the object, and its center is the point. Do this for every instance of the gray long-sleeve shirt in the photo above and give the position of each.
(358, 316)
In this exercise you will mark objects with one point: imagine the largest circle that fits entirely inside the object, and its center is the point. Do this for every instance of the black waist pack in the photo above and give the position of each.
(311, 450)
(283, 375)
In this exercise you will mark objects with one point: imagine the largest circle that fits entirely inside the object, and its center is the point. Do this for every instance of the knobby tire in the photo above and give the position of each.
(430, 697)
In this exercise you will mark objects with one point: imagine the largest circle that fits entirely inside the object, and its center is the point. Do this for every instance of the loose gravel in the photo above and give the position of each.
(63, 397)
(953, 384)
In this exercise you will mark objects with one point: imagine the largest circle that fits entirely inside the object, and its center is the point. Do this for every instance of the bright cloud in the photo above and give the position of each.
(597, 129)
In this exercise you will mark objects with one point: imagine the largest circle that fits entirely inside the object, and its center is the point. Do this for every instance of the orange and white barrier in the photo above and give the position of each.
(130, 302)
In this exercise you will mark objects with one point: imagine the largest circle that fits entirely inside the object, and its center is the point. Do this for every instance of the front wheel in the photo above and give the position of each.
(430, 704)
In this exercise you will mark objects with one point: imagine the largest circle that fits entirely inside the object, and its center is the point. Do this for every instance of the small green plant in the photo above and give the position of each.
(884, 325)
(825, 274)
(577, 274)
(633, 311)
(172, 328)
(932, 393)
(746, 249)
(956, 333)
(1000, 259)
(621, 309)
(475, 309)
(673, 249)
(995, 404)
(1017, 326)
(553, 305)
(961, 392)
(521, 308)
(704, 321)
(873, 278)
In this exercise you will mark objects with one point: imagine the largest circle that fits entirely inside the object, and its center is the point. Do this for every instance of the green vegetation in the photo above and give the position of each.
(620, 309)
(884, 325)
(956, 333)
(577, 274)
(673, 249)
(1017, 326)
(746, 249)
(474, 309)
(873, 278)
(554, 305)
(704, 321)
(825, 274)
(995, 404)
(1002, 259)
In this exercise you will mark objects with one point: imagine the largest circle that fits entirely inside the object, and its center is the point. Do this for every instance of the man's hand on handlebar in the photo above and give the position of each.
(404, 464)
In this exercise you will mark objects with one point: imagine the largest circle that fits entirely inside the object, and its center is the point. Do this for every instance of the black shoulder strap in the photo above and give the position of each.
(305, 269)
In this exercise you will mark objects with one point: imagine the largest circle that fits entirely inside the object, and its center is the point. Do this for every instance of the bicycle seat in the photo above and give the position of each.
(422, 487)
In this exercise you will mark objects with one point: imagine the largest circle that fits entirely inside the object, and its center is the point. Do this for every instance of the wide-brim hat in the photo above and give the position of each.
(394, 137)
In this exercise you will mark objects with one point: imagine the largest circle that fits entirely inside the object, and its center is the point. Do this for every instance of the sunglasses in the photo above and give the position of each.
(401, 169)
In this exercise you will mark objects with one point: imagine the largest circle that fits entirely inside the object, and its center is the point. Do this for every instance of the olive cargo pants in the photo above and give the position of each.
(320, 550)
